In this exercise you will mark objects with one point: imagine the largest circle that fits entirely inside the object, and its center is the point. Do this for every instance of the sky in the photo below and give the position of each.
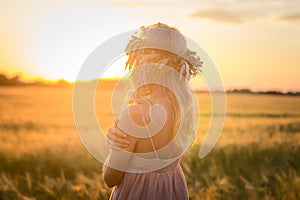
(254, 44)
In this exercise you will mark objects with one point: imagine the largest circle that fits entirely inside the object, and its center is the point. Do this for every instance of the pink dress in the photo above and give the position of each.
(166, 183)
(152, 178)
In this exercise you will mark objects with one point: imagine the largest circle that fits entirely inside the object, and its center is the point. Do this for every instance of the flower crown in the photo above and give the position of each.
(190, 62)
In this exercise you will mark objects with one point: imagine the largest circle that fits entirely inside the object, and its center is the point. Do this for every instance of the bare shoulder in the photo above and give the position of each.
(136, 114)
(139, 114)
(131, 115)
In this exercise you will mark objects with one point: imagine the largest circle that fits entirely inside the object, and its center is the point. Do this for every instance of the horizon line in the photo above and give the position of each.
(61, 81)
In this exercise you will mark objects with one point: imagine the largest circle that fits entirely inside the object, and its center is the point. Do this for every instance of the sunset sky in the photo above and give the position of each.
(255, 44)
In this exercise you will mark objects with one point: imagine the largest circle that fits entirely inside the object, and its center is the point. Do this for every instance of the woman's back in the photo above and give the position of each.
(139, 114)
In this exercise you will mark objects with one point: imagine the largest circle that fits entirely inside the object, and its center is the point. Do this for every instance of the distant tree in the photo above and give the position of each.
(15, 81)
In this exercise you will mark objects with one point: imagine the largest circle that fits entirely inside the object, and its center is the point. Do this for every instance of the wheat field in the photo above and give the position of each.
(42, 157)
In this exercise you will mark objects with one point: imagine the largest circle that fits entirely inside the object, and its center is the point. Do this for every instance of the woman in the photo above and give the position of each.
(159, 123)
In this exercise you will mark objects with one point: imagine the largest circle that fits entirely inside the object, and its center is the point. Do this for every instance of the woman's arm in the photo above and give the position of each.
(113, 177)
(117, 157)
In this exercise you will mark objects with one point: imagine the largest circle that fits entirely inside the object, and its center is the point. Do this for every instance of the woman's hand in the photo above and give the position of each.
(116, 138)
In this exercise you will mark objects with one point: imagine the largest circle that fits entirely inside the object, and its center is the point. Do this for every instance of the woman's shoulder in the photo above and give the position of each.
(132, 119)
(143, 120)
(138, 113)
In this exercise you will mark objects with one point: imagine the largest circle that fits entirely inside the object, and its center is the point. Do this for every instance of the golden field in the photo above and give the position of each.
(42, 157)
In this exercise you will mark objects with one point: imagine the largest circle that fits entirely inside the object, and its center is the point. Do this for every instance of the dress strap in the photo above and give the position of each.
(148, 101)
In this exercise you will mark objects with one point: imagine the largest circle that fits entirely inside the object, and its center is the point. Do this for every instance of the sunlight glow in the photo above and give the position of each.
(58, 36)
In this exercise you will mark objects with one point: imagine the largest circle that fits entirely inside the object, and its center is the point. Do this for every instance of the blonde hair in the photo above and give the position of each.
(164, 67)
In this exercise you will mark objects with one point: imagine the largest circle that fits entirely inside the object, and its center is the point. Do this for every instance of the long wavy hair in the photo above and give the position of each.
(156, 65)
